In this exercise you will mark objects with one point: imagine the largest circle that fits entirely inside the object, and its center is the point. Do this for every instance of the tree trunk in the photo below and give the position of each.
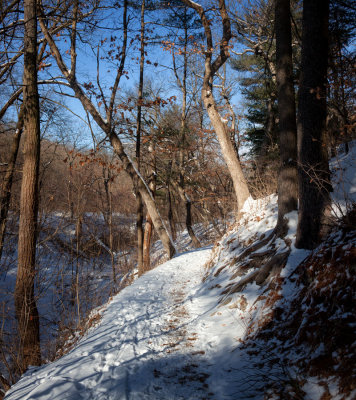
(227, 148)
(78, 236)
(139, 232)
(314, 175)
(8, 178)
(170, 214)
(188, 222)
(70, 192)
(25, 304)
(147, 243)
(109, 220)
(146, 194)
(188, 215)
(288, 175)
(148, 230)
(139, 203)
(211, 67)
(107, 124)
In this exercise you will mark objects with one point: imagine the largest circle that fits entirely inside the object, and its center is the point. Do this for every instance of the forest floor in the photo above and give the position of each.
(148, 344)
(204, 325)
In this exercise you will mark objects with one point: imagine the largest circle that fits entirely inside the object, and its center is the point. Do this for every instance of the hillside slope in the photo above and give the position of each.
(171, 336)
(142, 349)
(253, 318)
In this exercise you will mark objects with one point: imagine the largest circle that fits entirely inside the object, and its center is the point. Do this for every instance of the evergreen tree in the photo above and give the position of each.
(258, 88)
(255, 62)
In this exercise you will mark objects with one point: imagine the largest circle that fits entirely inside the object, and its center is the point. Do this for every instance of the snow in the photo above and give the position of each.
(166, 336)
(163, 337)
(175, 333)
(344, 180)
(313, 390)
(118, 359)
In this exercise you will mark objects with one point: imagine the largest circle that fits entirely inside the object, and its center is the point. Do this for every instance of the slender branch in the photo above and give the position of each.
(121, 67)
(66, 108)
(64, 69)
(10, 102)
(8, 9)
(175, 70)
(73, 37)
(242, 52)
(98, 78)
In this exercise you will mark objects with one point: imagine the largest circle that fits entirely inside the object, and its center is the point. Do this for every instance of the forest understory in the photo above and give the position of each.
(251, 317)
(177, 199)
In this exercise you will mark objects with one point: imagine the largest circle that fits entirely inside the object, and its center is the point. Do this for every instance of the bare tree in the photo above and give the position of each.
(11, 30)
(184, 20)
(25, 304)
(211, 68)
(139, 204)
(106, 123)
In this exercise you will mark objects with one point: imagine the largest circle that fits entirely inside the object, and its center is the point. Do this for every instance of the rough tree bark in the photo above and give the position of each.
(147, 237)
(5, 196)
(25, 304)
(108, 218)
(314, 175)
(171, 220)
(211, 67)
(139, 203)
(288, 174)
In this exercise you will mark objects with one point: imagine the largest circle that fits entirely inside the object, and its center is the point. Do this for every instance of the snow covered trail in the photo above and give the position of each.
(144, 347)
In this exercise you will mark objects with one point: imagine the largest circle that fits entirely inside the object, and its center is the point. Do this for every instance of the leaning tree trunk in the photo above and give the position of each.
(107, 124)
(211, 68)
(146, 194)
(25, 304)
(232, 161)
(288, 176)
(314, 175)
